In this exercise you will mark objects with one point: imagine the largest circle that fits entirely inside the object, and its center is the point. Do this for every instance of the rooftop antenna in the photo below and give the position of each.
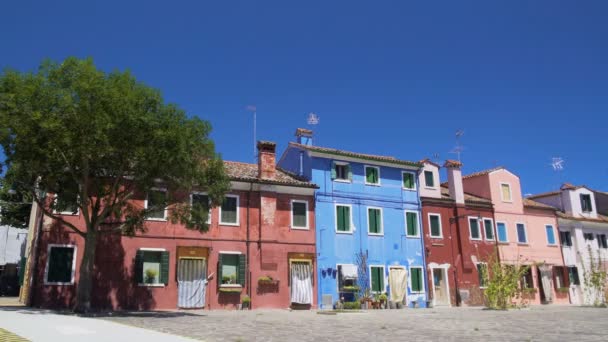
(436, 158)
(313, 120)
(557, 163)
(457, 150)
(253, 109)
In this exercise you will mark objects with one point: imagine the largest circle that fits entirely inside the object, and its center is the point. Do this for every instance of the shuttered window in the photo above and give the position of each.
(229, 211)
(565, 238)
(429, 180)
(60, 264)
(299, 211)
(474, 231)
(374, 220)
(435, 223)
(416, 279)
(156, 202)
(341, 171)
(201, 202)
(152, 267)
(377, 278)
(488, 229)
(505, 191)
(586, 203)
(411, 222)
(372, 175)
(343, 218)
(409, 181)
(232, 269)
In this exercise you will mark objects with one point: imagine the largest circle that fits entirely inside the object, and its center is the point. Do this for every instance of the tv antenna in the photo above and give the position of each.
(557, 163)
(313, 119)
(458, 149)
(253, 109)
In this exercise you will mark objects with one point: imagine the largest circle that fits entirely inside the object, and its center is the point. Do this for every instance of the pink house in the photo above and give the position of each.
(526, 233)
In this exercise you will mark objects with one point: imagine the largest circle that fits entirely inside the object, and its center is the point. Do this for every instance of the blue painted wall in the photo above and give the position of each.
(394, 248)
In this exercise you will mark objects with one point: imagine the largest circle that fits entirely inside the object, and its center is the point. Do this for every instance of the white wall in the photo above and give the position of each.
(12, 244)
(425, 191)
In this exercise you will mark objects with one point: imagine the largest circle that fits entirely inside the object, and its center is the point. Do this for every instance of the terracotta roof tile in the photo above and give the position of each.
(483, 172)
(445, 193)
(429, 161)
(249, 173)
(372, 157)
(533, 204)
(544, 194)
(452, 163)
(600, 219)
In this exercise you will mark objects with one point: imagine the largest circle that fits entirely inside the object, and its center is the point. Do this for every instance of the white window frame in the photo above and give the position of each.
(479, 226)
(381, 221)
(413, 177)
(236, 286)
(483, 220)
(383, 278)
(204, 194)
(417, 222)
(148, 249)
(238, 212)
(164, 211)
(555, 237)
(48, 263)
(525, 232)
(440, 236)
(482, 263)
(307, 227)
(424, 177)
(510, 200)
(350, 211)
(365, 167)
(409, 279)
(340, 179)
(506, 232)
(66, 213)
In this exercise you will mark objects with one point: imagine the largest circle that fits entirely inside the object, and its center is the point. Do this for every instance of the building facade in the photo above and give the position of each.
(260, 243)
(459, 239)
(367, 208)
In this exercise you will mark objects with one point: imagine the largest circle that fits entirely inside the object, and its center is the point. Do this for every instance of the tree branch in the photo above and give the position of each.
(48, 213)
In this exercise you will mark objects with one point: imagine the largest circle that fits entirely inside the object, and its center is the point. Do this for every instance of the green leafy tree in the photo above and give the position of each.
(15, 207)
(595, 279)
(502, 282)
(97, 141)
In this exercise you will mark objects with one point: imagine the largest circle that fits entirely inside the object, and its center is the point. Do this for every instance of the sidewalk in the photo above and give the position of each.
(42, 325)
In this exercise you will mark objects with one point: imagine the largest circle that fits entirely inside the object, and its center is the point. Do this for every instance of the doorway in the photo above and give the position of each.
(191, 283)
(441, 292)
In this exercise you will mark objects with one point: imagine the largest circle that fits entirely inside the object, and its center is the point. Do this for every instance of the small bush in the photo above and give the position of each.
(352, 306)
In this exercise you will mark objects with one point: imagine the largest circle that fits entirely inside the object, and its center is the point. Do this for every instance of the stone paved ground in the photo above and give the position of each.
(555, 323)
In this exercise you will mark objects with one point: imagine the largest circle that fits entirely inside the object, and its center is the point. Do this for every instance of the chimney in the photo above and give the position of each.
(267, 167)
(304, 136)
(455, 180)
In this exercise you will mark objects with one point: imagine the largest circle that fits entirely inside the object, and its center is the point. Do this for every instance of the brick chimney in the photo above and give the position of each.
(455, 180)
(267, 167)
(304, 136)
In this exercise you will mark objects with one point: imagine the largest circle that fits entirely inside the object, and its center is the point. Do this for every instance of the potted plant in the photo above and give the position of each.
(383, 300)
(151, 276)
(246, 301)
(264, 280)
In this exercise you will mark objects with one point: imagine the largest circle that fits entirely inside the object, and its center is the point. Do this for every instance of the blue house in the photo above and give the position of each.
(367, 208)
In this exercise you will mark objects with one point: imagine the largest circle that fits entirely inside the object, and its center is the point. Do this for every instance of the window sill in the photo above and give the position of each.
(490, 240)
(151, 285)
(341, 232)
(436, 237)
(479, 240)
(430, 188)
(375, 234)
(342, 180)
(413, 236)
(408, 189)
(503, 242)
(373, 184)
(229, 224)
(156, 219)
(554, 245)
(523, 244)
(231, 286)
(417, 292)
(300, 228)
(58, 284)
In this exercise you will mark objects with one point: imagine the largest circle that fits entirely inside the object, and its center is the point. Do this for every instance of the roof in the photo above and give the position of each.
(599, 219)
(249, 172)
(545, 194)
(483, 172)
(537, 205)
(452, 163)
(429, 161)
(445, 193)
(372, 157)
(565, 186)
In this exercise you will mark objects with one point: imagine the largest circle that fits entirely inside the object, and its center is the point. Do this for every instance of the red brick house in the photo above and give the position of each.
(261, 243)
(459, 237)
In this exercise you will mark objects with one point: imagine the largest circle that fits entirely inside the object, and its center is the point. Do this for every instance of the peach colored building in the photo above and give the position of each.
(526, 232)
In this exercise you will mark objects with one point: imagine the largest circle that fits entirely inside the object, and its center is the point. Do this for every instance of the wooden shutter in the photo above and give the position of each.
(415, 274)
(412, 224)
(242, 269)
(487, 224)
(333, 170)
(435, 230)
(340, 217)
(164, 268)
(139, 267)
(220, 264)
(377, 279)
(349, 172)
(408, 180)
(374, 220)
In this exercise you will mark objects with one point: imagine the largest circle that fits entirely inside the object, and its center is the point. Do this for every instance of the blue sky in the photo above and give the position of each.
(525, 80)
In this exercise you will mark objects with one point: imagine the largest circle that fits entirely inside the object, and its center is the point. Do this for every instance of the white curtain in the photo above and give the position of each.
(546, 275)
(397, 279)
(301, 283)
(191, 283)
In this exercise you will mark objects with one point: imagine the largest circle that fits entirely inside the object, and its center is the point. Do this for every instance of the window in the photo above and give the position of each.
(377, 278)
(429, 180)
(488, 227)
(521, 233)
(559, 276)
(299, 214)
(347, 278)
(573, 275)
(229, 211)
(372, 175)
(409, 181)
(474, 232)
(416, 281)
(435, 225)
(60, 265)
(341, 172)
(411, 223)
(501, 229)
(526, 281)
(565, 238)
(550, 235)
(156, 202)
(200, 204)
(231, 269)
(66, 204)
(602, 241)
(482, 274)
(374, 220)
(343, 219)
(152, 267)
(505, 192)
(586, 203)
(588, 236)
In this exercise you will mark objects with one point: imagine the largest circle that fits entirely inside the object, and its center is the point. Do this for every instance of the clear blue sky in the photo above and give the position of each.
(525, 80)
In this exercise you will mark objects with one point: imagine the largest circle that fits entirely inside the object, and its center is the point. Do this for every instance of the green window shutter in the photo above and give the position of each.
(340, 218)
(412, 224)
(139, 267)
(408, 180)
(489, 229)
(349, 172)
(369, 177)
(333, 170)
(435, 229)
(428, 178)
(22, 270)
(343, 214)
(220, 264)
(374, 220)
(242, 269)
(377, 279)
(474, 228)
(164, 268)
(416, 279)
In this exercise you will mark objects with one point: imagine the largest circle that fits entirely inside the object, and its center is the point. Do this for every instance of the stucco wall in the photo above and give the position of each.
(426, 191)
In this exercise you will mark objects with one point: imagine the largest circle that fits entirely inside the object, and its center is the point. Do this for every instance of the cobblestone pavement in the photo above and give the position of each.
(555, 323)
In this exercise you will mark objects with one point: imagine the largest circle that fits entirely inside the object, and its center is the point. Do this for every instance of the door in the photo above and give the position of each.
(440, 287)
(397, 281)
(191, 283)
(301, 282)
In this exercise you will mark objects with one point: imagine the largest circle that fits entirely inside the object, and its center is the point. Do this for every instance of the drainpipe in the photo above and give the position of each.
(247, 244)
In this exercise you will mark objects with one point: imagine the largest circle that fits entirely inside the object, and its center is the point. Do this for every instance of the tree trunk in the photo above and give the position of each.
(85, 280)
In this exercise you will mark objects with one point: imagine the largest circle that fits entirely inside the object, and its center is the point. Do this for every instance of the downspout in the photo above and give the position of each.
(247, 244)
(456, 288)
(422, 247)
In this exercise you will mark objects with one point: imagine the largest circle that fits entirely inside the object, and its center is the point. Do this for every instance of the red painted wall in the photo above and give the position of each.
(115, 287)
